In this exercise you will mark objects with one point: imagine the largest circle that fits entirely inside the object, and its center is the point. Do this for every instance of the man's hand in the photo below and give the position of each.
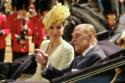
(117, 74)
(41, 57)
(118, 71)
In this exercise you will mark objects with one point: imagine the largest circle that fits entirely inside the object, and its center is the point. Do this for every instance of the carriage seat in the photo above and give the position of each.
(110, 49)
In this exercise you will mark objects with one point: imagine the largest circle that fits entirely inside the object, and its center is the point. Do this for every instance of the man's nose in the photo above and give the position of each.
(72, 41)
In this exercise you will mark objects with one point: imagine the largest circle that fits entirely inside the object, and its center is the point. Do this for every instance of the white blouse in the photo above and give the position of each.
(60, 58)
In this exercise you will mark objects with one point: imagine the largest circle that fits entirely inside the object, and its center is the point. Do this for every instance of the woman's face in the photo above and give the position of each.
(55, 31)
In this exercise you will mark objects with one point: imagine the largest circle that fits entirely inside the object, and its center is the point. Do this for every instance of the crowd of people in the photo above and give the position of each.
(44, 21)
(23, 22)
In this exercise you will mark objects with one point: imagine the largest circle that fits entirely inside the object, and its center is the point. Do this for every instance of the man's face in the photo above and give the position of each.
(80, 40)
(111, 18)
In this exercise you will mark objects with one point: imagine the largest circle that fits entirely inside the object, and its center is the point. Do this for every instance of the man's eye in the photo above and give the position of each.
(76, 36)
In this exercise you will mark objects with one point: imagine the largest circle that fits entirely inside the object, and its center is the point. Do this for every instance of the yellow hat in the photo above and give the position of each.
(57, 14)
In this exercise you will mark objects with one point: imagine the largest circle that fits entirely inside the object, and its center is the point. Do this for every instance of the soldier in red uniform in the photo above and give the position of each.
(20, 30)
(4, 31)
(42, 7)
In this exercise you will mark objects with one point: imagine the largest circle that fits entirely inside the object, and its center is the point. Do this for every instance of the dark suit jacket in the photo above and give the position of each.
(79, 62)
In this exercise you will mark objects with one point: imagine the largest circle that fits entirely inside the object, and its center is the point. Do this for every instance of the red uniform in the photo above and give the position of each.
(4, 31)
(20, 28)
(38, 30)
(4, 27)
(19, 50)
(16, 32)
(10, 19)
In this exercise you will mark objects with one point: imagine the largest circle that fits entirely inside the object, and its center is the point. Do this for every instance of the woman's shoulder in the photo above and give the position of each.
(45, 42)
(67, 45)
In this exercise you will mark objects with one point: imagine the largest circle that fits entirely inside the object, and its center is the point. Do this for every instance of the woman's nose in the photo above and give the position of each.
(55, 31)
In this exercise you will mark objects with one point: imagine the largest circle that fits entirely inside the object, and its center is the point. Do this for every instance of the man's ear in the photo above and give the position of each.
(91, 38)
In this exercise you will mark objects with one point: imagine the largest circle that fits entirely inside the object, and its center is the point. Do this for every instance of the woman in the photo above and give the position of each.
(59, 51)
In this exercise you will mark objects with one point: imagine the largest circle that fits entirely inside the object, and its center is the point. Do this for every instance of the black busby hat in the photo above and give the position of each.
(2, 7)
(43, 5)
(20, 4)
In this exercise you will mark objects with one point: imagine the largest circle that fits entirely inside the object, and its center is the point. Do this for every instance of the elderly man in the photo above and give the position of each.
(85, 43)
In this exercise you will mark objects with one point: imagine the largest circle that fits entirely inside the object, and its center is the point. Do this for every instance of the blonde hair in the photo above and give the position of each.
(57, 14)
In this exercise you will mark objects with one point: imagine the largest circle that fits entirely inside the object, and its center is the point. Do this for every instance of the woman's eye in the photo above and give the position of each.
(58, 27)
(51, 27)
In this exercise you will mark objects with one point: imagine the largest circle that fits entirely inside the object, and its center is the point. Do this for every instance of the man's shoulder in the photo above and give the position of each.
(96, 48)
(97, 51)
